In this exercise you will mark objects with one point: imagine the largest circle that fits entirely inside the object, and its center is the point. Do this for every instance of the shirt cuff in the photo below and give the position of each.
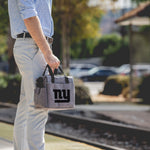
(28, 13)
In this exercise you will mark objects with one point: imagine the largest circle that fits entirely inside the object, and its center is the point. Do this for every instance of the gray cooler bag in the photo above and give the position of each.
(54, 91)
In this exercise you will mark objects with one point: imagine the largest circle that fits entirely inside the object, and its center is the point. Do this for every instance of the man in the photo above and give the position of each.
(32, 27)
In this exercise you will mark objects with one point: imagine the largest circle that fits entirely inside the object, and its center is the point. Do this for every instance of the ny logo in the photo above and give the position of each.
(61, 96)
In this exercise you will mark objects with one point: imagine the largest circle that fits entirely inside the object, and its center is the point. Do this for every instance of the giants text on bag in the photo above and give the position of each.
(61, 96)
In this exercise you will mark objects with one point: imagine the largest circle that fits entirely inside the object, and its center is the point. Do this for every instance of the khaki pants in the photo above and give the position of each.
(29, 127)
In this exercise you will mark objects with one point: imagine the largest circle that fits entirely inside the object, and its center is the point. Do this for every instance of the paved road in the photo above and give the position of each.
(94, 87)
(114, 107)
(132, 114)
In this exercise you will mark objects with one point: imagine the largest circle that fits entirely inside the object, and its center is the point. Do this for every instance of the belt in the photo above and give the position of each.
(27, 35)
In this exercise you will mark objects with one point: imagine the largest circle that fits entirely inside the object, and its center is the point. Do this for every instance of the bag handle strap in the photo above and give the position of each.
(52, 74)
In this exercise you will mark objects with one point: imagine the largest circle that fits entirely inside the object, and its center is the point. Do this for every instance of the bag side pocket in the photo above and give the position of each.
(40, 97)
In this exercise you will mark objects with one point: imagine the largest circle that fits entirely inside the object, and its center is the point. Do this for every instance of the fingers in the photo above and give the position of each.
(53, 70)
(54, 65)
(57, 64)
(53, 62)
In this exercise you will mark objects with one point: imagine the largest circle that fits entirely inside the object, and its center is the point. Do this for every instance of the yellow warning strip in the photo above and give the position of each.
(52, 142)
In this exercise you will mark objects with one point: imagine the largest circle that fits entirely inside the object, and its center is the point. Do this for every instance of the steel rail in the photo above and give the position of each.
(93, 123)
(140, 134)
(100, 123)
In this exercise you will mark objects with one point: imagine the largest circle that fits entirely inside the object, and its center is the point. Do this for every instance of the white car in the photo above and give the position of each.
(139, 70)
(77, 70)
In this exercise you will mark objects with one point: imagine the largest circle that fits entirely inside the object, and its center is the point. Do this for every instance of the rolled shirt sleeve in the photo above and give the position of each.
(27, 8)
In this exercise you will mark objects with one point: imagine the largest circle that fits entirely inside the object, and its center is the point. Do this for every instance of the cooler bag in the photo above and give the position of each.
(54, 92)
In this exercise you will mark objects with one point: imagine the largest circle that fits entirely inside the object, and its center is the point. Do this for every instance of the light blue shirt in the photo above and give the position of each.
(22, 9)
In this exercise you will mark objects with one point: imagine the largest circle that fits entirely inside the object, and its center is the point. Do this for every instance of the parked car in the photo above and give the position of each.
(77, 70)
(98, 74)
(138, 69)
(124, 69)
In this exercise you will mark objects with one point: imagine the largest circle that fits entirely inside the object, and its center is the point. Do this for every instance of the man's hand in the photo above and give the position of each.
(52, 60)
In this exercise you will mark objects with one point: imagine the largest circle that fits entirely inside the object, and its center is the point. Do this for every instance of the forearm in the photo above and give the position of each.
(34, 28)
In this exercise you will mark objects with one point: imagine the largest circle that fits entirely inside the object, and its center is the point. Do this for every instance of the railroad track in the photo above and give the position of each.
(78, 139)
(68, 125)
(48, 131)
(100, 123)
(104, 129)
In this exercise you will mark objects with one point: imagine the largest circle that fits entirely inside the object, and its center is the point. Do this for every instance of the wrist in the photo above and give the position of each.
(47, 52)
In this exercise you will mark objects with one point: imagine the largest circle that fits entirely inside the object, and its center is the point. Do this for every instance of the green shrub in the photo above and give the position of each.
(118, 84)
(3, 44)
(3, 80)
(144, 90)
(111, 47)
(10, 89)
(136, 81)
(82, 93)
(114, 85)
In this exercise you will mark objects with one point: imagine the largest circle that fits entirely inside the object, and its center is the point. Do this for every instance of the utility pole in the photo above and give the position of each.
(131, 61)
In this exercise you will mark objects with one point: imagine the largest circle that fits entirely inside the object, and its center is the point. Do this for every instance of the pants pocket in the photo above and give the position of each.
(25, 49)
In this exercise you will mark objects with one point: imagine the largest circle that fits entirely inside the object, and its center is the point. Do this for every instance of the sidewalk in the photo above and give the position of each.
(5, 145)
(52, 142)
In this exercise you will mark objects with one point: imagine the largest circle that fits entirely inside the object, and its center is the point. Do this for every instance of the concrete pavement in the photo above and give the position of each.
(5, 144)
(110, 106)
(52, 142)
(95, 87)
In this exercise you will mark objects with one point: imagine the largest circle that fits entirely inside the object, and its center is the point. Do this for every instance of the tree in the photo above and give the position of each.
(5, 30)
(74, 21)
(113, 49)
(3, 16)
(139, 1)
(3, 25)
(84, 48)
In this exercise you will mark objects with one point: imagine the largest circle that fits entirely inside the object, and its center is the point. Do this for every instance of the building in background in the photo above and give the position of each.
(113, 10)
(109, 4)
